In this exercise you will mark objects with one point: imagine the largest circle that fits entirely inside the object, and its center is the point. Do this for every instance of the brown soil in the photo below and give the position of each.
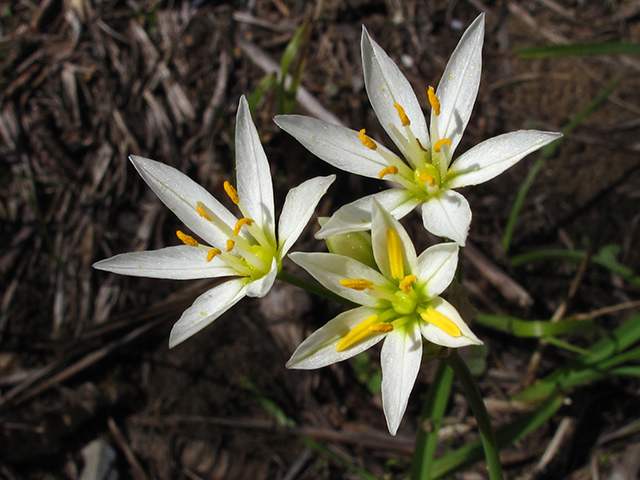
(84, 355)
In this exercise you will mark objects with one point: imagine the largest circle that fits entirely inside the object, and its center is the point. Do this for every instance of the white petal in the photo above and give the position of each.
(458, 87)
(255, 187)
(383, 221)
(179, 263)
(447, 215)
(436, 268)
(329, 269)
(356, 216)
(492, 157)
(385, 86)
(298, 207)
(439, 337)
(181, 195)
(336, 145)
(319, 350)
(207, 307)
(400, 359)
(260, 287)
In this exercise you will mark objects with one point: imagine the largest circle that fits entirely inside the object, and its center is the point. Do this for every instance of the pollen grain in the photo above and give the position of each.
(232, 192)
(440, 143)
(391, 170)
(212, 253)
(433, 100)
(366, 141)
(402, 114)
(187, 239)
(241, 222)
(359, 284)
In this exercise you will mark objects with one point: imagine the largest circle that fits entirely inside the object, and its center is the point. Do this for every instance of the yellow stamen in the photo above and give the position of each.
(403, 116)
(366, 141)
(241, 222)
(187, 239)
(420, 145)
(405, 284)
(394, 247)
(357, 333)
(433, 100)
(356, 283)
(392, 170)
(232, 192)
(440, 143)
(426, 178)
(212, 253)
(445, 324)
(381, 327)
(202, 212)
(230, 245)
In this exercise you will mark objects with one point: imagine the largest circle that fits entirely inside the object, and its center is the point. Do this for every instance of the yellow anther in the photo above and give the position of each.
(241, 222)
(202, 212)
(356, 283)
(212, 253)
(433, 100)
(357, 333)
(381, 327)
(440, 143)
(405, 284)
(426, 178)
(403, 116)
(445, 324)
(394, 247)
(366, 141)
(230, 245)
(392, 170)
(187, 239)
(232, 192)
(420, 145)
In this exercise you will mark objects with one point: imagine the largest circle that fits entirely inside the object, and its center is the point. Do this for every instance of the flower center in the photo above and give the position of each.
(399, 305)
(250, 255)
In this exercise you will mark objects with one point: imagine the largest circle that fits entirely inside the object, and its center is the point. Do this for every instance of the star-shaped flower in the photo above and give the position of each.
(427, 175)
(400, 304)
(246, 248)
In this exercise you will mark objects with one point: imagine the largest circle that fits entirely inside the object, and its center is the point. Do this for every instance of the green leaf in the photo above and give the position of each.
(505, 436)
(532, 328)
(602, 259)
(606, 354)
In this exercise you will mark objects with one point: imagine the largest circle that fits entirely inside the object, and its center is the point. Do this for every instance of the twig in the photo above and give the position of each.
(507, 286)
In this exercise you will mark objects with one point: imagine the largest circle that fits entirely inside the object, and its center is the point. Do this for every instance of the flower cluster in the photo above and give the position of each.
(397, 290)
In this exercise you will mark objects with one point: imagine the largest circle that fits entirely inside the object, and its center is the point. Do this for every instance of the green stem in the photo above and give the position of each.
(313, 288)
(430, 421)
(491, 450)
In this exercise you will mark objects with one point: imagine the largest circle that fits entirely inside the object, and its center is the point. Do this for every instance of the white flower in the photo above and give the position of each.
(246, 248)
(428, 176)
(399, 301)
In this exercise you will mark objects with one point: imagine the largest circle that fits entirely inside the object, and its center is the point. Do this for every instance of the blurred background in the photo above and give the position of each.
(86, 376)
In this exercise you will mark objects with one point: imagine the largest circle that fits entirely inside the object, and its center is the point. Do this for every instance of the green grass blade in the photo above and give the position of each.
(487, 435)
(578, 256)
(282, 419)
(290, 52)
(579, 50)
(587, 368)
(432, 413)
(532, 328)
(548, 152)
(505, 436)
(267, 82)
(556, 342)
